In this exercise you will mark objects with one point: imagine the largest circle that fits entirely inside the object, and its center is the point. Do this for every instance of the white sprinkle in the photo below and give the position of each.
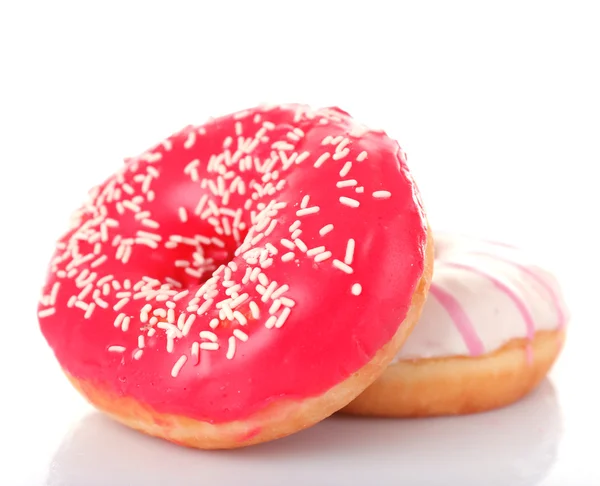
(46, 312)
(280, 291)
(275, 306)
(119, 320)
(204, 307)
(288, 244)
(304, 212)
(269, 290)
(345, 169)
(125, 323)
(180, 295)
(287, 302)
(315, 251)
(138, 354)
(362, 156)
(325, 229)
(296, 234)
(352, 203)
(301, 245)
(209, 346)
(188, 324)
(231, 348)
(382, 194)
(349, 252)
(240, 318)
(214, 323)
(321, 257)
(356, 289)
(211, 336)
(141, 342)
(347, 183)
(183, 215)
(254, 310)
(195, 351)
(241, 335)
(321, 160)
(99, 261)
(270, 322)
(283, 317)
(360, 190)
(116, 349)
(326, 140)
(179, 364)
(342, 266)
(305, 201)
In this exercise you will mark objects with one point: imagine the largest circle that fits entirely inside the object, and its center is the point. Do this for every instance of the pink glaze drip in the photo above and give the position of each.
(460, 319)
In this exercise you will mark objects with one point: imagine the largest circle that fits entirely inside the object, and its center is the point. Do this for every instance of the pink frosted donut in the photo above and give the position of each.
(220, 289)
(492, 327)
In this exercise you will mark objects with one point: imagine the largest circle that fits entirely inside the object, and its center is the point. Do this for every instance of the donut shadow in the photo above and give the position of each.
(516, 445)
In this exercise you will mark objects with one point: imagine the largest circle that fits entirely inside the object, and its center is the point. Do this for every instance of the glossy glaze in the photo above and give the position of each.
(187, 191)
(483, 295)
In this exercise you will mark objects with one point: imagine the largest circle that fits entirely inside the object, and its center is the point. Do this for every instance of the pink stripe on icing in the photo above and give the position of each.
(460, 318)
(527, 318)
(560, 314)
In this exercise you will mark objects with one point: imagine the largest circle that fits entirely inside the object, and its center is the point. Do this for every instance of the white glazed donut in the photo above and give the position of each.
(491, 329)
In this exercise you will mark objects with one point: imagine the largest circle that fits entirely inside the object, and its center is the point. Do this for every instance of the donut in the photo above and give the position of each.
(242, 279)
(492, 327)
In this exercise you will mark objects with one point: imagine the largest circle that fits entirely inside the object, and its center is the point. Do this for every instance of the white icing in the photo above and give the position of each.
(493, 313)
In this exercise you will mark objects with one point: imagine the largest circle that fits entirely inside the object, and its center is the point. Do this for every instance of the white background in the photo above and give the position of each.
(497, 105)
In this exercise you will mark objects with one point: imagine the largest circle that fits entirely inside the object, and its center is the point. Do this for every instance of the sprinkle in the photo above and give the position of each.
(270, 322)
(342, 266)
(282, 317)
(275, 306)
(315, 251)
(305, 201)
(301, 245)
(240, 318)
(119, 320)
(360, 190)
(141, 342)
(241, 335)
(349, 252)
(347, 183)
(209, 346)
(352, 203)
(362, 156)
(116, 349)
(183, 215)
(211, 336)
(254, 309)
(288, 244)
(195, 351)
(280, 291)
(356, 289)
(306, 211)
(231, 348)
(325, 229)
(125, 323)
(382, 194)
(268, 291)
(287, 302)
(321, 160)
(99, 261)
(138, 354)
(321, 257)
(179, 364)
(286, 257)
(345, 169)
(46, 312)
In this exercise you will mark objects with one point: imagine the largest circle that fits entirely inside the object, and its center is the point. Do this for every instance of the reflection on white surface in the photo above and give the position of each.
(515, 446)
